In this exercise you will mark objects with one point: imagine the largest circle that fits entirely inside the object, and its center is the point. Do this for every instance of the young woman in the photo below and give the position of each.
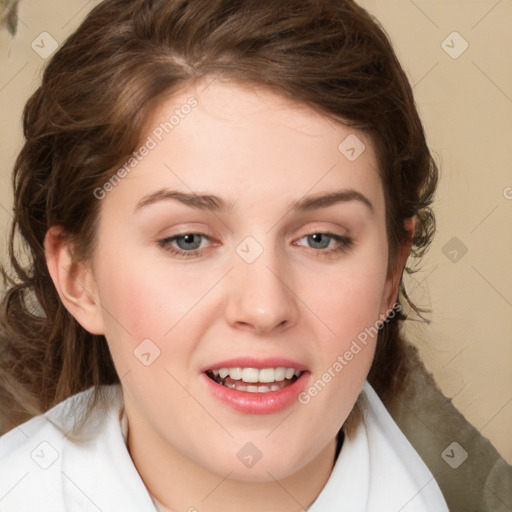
(218, 199)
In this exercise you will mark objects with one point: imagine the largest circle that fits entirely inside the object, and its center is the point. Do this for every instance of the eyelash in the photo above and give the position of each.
(344, 244)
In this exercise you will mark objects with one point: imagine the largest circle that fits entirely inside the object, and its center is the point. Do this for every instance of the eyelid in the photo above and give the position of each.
(326, 231)
(184, 228)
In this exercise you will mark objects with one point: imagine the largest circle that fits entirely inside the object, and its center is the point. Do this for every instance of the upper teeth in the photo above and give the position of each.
(257, 375)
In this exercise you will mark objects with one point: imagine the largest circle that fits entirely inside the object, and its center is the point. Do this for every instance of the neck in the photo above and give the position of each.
(180, 484)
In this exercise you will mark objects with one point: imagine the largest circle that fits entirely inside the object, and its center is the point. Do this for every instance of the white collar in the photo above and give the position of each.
(377, 469)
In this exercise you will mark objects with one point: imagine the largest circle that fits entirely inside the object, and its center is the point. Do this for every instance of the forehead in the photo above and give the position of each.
(245, 142)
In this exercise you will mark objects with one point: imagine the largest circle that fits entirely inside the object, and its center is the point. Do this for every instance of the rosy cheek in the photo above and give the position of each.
(145, 311)
(124, 301)
(351, 301)
(152, 306)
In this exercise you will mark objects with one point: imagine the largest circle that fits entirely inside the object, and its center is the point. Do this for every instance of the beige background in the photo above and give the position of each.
(466, 106)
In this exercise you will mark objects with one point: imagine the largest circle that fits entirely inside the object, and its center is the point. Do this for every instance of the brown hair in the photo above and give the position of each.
(87, 117)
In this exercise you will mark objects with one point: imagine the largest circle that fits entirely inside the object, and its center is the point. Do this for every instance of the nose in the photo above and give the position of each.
(261, 298)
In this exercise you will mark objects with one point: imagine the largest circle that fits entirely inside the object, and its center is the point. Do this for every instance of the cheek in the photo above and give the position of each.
(128, 301)
(142, 299)
(348, 299)
(350, 308)
(147, 300)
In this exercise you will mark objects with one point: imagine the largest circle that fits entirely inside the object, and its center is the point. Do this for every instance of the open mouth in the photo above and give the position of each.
(254, 380)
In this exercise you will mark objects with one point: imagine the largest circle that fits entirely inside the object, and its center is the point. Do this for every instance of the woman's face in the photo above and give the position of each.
(247, 237)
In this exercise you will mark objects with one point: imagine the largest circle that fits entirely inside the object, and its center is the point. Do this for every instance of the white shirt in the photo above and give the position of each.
(41, 470)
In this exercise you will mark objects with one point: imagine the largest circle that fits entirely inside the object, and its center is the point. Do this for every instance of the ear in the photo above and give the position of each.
(74, 281)
(395, 273)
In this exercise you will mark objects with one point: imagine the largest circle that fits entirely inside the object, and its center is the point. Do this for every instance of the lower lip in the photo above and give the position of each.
(258, 403)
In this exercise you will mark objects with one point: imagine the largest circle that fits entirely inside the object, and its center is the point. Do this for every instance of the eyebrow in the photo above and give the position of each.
(214, 203)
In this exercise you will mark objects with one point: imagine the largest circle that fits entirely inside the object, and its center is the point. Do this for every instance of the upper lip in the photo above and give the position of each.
(254, 362)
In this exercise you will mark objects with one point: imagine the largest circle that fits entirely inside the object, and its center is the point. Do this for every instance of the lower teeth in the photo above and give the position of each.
(253, 388)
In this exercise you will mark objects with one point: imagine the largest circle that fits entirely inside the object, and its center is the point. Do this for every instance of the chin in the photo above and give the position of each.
(258, 462)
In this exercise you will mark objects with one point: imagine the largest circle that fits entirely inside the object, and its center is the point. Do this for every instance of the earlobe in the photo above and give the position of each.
(74, 281)
(394, 277)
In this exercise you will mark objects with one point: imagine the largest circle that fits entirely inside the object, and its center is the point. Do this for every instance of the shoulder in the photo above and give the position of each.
(33, 456)
(29, 469)
(390, 475)
(394, 463)
(470, 472)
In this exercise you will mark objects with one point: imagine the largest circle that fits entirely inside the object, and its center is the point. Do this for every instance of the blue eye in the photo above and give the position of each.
(189, 241)
(323, 241)
(189, 245)
(186, 245)
(319, 240)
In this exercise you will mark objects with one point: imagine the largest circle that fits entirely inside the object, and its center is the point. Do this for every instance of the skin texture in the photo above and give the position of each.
(259, 152)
